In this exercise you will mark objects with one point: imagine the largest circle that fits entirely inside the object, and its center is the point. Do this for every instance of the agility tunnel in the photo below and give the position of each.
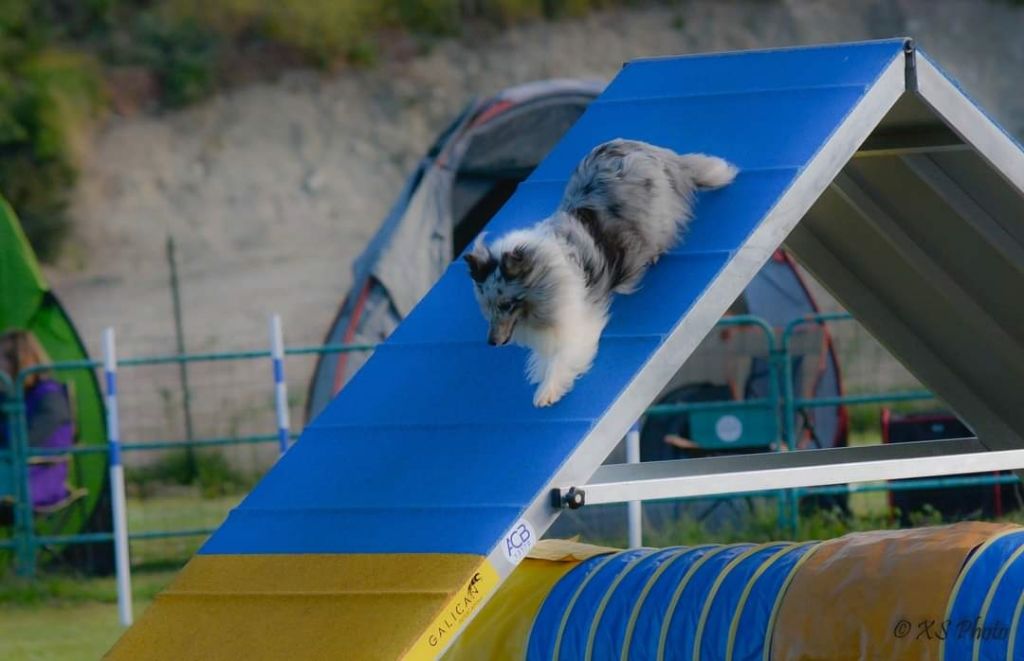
(952, 592)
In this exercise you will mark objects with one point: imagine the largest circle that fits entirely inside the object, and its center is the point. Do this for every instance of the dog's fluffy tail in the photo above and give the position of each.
(706, 171)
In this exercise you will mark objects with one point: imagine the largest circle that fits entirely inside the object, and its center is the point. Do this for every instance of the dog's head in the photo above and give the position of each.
(501, 284)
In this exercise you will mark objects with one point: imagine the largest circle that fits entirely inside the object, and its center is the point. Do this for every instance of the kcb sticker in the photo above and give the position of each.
(518, 541)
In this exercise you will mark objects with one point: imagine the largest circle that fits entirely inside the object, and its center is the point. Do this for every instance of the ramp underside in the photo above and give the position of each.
(434, 450)
(922, 240)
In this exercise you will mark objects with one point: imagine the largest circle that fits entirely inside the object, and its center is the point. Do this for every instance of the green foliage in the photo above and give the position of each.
(513, 11)
(436, 17)
(207, 469)
(46, 99)
(866, 419)
(216, 477)
(320, 31)
(763, 525)
(47, 96)
(67, 589)
(325, 32)
(172, 468)
(182, 54)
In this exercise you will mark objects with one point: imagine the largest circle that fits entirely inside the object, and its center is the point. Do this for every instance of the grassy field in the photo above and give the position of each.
(184, 509)
(67, 618)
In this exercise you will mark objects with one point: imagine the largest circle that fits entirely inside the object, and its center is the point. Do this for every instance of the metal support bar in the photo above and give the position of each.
(787, 470)
(24, 526)
(953, 194)
(827, 257)
(992, 331)
(634, 518)
(911, 141)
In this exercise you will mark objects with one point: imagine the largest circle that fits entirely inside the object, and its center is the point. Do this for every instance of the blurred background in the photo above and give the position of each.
(181, 170)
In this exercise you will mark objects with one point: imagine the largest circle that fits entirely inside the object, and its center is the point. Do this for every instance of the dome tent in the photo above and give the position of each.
(28, 303)
(467, 175)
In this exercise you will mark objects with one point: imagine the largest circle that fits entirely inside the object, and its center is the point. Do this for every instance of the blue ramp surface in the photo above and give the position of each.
(435, 447)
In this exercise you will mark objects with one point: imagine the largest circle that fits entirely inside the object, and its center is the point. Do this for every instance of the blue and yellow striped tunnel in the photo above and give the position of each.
(640, 604)
(948, 592)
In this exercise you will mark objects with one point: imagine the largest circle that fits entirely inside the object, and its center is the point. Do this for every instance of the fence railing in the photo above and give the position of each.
(17, 453)
(780, 400)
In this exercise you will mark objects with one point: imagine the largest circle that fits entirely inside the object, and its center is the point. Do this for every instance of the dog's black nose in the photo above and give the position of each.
(491, 341)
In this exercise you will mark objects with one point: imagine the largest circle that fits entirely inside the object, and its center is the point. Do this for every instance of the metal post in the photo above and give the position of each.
(634, 515)
(25, 553)
(280, 385)
(780, 397)
(179, 336)
(124, 580)
(790, 502)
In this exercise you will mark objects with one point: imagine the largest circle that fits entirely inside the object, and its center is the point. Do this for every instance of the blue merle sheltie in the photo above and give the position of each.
(549, 287)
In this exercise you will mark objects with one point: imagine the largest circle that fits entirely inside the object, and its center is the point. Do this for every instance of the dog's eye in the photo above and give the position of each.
(505, 306)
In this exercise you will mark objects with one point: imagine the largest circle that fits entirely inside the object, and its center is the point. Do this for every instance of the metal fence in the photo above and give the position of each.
(246, 417)
(218, 415)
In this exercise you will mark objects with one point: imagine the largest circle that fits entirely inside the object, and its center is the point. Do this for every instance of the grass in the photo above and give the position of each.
(206, 468)
(67, 617)
(183, 510)
(65, 632)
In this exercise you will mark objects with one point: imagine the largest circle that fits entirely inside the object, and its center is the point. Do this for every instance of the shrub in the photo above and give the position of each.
(322, 31)
(182, 54)
(208, 469)
(46, 101)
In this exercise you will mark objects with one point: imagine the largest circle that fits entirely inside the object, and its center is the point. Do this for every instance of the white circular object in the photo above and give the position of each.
(729, 428)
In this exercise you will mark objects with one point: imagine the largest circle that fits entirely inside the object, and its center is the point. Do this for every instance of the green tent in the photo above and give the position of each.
(27, 302)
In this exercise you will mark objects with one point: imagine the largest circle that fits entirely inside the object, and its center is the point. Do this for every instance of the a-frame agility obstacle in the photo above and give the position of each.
(402, 507)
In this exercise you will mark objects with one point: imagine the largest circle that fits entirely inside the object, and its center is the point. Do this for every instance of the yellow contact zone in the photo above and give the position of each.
(455, 614)
(353, 606)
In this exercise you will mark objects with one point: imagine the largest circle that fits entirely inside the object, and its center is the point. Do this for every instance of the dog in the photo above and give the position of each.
(549, 287)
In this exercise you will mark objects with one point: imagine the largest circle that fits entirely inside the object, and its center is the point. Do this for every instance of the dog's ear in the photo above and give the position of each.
(516, 263)
(481, 264)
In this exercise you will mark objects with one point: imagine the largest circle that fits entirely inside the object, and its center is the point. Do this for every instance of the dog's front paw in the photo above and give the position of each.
(547, 394)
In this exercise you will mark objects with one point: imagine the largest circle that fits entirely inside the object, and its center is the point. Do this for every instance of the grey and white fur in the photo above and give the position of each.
(549, 287)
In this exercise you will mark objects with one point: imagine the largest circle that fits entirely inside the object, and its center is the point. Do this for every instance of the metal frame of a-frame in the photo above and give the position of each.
(990, 162)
